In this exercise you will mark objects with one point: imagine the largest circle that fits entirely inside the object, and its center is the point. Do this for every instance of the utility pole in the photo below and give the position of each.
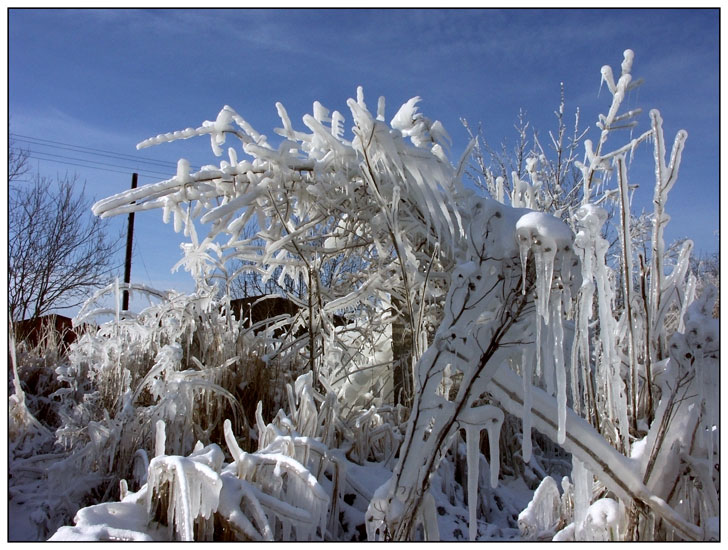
(129, 239)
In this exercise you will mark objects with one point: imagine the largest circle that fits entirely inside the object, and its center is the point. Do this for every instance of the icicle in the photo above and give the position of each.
(183, 172)
(544, 235)
(538, 346)
(606, 78)
(581, 479)
(360, 97)
(557, 331)
(160, 437)
(517, 192)
(429, 518)
(117, 302)
(544, 255)
(526, 417)
(123, 489)
(380, 108)
(523, 247)
(472, 442)
(320, 113)
(232, 443)
(337, 128)
(473, 420)
(499, 189)
(193, 489)
(688, 298)
(493, 428)
(592, 218)
(233, 156)
(547, 357)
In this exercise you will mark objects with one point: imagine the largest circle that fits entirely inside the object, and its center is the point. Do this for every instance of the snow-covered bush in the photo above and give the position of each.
(179, 360)
(360, 224)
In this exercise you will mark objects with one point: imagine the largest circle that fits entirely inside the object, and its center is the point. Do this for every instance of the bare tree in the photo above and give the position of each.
(57, 251)
(17, 163)
(551, 169)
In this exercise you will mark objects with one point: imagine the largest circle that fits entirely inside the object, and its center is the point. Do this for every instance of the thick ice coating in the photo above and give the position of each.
(544, 235)
(547, 238)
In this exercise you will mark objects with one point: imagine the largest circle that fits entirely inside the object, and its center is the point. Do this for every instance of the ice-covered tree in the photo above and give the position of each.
(377, 214)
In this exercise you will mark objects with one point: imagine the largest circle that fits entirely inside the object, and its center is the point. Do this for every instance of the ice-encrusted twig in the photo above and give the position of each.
(594, 157)
(665, 178)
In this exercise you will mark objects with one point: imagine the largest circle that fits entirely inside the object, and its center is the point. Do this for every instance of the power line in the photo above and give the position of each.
(163, 174)
(37, 157)
(92, 151)
(102, 152)
(88, 150)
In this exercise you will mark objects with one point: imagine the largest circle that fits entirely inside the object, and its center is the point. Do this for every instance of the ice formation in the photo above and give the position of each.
(549, 240)
(602, 521)
(592, 248)
(540, 519)
(192, 488)
(544, 236)
(483, 309)
(110, 521)
(619, 473)
(582, 486)
(268, 495)
(474, 420)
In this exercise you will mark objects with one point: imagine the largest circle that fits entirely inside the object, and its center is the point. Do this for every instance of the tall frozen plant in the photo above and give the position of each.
(369, 221)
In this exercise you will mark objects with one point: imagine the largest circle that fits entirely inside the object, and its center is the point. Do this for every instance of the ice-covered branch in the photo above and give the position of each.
(665, 178)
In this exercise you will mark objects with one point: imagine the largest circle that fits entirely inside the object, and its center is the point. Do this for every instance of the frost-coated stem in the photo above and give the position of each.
(393, 228)
(311, 335)
(619, 91)
(665, 178)
(626, 235)
(647, 343)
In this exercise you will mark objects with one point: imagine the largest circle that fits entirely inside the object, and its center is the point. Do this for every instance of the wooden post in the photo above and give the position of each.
(129, 240)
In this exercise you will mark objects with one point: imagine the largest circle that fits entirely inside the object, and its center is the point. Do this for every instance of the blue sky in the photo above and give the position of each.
(107, 79)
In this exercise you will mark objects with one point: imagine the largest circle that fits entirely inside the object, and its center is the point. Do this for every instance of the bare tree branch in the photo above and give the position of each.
(57, 250)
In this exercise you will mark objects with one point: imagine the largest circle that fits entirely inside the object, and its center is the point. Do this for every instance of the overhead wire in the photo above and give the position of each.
(152, 170)
(64, 157)
(91, 150)
(102, 168)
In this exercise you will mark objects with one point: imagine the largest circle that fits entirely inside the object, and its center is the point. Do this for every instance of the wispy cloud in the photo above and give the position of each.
(55, 124)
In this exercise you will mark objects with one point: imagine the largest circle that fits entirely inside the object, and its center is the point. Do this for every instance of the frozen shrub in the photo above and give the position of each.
(424, 312)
